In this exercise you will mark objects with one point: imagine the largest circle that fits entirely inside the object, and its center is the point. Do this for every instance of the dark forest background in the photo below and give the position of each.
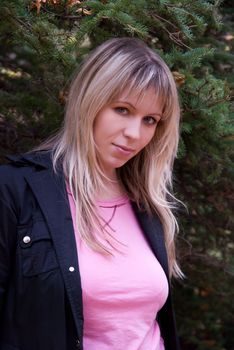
(42, 42)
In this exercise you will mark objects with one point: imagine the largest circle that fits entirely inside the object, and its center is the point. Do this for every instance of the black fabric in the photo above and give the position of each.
(40, 298)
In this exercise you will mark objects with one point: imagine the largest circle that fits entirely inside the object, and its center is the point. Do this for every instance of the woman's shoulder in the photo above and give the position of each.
(18, 166)
(16, 175)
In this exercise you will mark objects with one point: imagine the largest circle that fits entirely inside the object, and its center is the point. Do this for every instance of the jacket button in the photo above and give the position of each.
(71, 269)
(77, 344)
(26, 239)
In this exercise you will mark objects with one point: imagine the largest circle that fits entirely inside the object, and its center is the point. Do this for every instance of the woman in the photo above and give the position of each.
(87, 231)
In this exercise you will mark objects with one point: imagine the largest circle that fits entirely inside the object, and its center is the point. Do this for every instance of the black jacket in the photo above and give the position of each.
(40, 296)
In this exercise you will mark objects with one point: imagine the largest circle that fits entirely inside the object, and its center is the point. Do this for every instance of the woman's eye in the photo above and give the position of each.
(121, 110)
(150, 120)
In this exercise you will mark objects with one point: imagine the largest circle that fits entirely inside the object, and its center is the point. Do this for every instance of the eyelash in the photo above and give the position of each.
(153, 119)
(121, 109)
(125, 111)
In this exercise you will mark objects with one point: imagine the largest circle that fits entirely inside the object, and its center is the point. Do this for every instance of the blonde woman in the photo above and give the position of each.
(86, 225)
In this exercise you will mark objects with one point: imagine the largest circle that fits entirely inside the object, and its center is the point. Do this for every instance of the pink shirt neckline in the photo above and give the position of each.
(113, 201)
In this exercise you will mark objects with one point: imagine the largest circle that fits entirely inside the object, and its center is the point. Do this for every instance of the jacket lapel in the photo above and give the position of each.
(153, 231)
(50, 192)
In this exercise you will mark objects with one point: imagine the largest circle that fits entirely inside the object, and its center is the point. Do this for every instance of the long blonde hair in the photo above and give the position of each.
(118, 65)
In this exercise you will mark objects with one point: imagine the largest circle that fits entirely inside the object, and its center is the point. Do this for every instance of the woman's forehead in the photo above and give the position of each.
(135, 96)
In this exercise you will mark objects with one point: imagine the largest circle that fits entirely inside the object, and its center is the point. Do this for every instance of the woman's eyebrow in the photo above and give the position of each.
(128, 103)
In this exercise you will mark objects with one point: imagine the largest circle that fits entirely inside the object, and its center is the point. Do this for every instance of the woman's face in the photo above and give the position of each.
(123, 128)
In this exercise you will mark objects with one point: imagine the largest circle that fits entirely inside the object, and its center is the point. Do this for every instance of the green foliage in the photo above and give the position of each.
(39, 52)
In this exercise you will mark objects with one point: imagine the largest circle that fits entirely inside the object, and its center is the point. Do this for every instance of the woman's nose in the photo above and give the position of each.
(133, 129)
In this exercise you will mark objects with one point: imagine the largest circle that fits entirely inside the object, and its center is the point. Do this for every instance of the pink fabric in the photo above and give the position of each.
(122, 293)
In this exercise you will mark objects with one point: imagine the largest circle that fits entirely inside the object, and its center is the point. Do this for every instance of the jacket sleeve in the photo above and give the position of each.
(8, 227)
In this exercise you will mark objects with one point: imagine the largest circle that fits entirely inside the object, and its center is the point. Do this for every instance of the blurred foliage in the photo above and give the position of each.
(41, 44)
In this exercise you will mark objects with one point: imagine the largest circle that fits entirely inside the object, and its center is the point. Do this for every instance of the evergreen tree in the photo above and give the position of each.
(43, 41)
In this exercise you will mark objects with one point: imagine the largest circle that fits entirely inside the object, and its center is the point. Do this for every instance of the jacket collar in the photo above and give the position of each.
(37, 158)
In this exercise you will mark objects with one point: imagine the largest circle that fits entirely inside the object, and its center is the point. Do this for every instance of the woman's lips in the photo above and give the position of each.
(123, 149)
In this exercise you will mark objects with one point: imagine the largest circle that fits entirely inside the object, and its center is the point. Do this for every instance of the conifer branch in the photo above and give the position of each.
(221, 100)
(22, 23)
(173, 36)
(165, 20)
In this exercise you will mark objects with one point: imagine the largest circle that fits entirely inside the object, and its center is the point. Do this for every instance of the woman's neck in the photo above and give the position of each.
(111, 189)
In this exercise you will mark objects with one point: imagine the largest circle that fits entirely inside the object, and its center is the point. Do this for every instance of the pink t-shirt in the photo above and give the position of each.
(123, 292)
